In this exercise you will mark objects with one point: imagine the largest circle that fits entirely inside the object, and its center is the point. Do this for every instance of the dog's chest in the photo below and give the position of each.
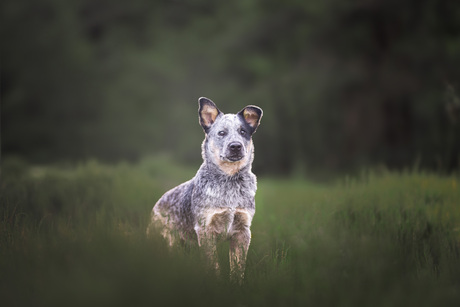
(227, 194)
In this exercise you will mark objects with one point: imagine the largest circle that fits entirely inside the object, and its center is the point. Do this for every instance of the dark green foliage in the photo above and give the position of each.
(343, 83)
(75, 236)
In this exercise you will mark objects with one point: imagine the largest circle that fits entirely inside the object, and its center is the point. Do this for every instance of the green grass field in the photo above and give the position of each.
(75, 236)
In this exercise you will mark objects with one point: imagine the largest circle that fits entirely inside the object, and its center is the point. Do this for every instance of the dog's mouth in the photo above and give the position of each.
(234, 152)
(232, 158)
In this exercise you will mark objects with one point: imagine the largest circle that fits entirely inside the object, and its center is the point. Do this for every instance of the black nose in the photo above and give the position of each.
(235, 147)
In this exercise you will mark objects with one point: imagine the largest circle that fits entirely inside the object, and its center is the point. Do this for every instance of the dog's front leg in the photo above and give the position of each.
(213, 227)
(239, 245)
(207, 240)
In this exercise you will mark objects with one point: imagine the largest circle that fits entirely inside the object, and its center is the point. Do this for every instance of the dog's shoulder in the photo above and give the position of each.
(178, 196)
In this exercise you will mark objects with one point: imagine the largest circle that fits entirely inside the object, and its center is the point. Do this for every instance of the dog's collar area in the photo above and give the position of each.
(226, 169)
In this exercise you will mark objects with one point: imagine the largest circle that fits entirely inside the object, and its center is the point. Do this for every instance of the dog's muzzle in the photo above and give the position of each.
(235, 151)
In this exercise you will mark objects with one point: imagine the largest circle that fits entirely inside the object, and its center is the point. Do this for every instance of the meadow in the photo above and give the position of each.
(74, 235)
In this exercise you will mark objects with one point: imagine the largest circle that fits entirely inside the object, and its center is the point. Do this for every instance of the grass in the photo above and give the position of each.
(75, 235)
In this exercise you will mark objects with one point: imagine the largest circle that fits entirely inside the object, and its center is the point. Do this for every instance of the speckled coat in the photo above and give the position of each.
(218, 203)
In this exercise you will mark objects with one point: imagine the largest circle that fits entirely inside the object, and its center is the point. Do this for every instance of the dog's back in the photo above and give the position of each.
(219, 201)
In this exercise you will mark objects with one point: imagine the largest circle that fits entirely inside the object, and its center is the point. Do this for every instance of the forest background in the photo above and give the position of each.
(357, 155)
(344, 85)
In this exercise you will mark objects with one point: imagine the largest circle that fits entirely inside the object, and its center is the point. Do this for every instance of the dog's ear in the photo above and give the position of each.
(252, 116)
(208, 113)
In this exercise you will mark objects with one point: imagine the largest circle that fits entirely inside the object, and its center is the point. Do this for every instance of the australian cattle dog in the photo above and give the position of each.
(218, 203)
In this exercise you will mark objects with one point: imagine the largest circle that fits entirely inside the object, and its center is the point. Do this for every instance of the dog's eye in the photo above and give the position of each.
(222, 133)
(242, 132)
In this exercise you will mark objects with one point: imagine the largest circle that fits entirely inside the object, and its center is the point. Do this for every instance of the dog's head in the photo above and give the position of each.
(228, 142)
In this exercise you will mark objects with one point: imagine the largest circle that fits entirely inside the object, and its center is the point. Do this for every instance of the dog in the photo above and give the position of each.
(218, 203)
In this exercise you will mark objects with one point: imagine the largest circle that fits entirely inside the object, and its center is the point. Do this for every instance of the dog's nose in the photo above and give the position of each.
(235, 147)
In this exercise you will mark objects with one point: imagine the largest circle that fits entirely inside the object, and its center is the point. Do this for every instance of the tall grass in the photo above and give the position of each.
(75, 235)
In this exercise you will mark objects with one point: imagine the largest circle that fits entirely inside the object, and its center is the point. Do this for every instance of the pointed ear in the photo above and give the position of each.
(251, 115)
(207, 112)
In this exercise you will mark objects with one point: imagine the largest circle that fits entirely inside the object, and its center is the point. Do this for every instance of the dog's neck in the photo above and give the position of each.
(228, 170)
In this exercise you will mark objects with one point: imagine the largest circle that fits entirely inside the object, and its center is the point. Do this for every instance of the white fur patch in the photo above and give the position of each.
(211, 212)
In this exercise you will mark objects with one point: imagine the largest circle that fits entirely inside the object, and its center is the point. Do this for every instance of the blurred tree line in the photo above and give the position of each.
(343, 84)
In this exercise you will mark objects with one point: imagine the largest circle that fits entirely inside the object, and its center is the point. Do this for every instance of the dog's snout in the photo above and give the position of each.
(235, 151)
(235, 146)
